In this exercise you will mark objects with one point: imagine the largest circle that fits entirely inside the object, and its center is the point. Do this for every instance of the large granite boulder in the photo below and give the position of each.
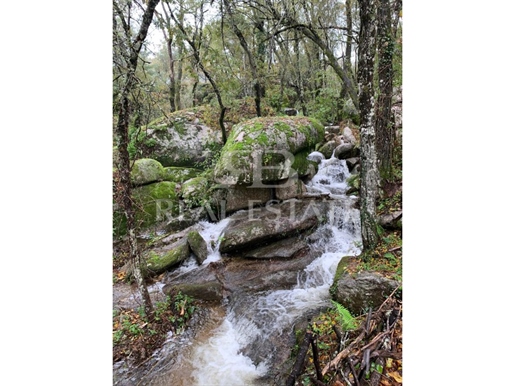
(262, 151)
(258, 226)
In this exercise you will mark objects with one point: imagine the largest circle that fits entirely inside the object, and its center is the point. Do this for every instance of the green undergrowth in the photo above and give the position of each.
(135, 337)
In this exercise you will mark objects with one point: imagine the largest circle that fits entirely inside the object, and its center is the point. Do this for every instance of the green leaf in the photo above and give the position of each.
(345, 318)
(389, 256)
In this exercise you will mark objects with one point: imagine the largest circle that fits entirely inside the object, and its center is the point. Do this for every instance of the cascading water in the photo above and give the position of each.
(238, 343)
(248, 328)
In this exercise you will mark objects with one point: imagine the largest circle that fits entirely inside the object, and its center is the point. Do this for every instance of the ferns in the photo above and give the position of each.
(345, 318)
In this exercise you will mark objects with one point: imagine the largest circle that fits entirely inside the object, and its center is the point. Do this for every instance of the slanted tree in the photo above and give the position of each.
(133, 46)
(369, 169)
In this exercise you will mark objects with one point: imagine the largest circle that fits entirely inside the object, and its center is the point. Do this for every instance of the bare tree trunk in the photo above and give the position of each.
(196, 55)
(252, 62)
(369, 170)
(124, 167)
(178, 80)
(346, 60)
(384, 125)
(171, 97)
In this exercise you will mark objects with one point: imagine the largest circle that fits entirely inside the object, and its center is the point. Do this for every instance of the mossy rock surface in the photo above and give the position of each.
(153, 203)
(180, 174)
(191, 137)
(145, 171)
(262, 150)
(158, 261)
(194, 191)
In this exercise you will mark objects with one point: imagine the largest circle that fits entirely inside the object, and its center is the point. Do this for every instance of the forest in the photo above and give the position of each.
(224, 113)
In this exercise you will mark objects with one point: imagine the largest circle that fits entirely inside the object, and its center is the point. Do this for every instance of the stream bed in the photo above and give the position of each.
(247, 339)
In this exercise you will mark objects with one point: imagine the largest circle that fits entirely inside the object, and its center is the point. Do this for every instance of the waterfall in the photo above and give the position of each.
(221, 360)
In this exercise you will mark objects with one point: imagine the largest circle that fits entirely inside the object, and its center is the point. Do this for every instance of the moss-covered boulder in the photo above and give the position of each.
(191, 137)
(145, 171)
(181, 140)
(194, 191)
(262, 150)
(165, 257)
(362, 291)
(153, 204)
(180, 174)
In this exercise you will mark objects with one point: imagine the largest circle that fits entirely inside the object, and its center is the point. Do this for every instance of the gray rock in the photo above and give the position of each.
(248, 229)
(362, 291)
(262, 150)
(231, 199)
(198, 246)
(295, 188)
(283, 249)
(352, 162)
(160, 259)
(145, 171)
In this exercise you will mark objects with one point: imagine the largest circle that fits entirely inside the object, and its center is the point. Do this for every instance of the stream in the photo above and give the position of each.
(247, 340)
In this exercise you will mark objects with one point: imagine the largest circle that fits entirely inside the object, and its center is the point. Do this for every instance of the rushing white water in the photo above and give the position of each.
(212, 233)
(220, 360)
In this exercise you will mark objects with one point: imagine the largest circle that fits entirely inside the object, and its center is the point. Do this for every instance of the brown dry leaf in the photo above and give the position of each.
(395, 375)
(338, 383)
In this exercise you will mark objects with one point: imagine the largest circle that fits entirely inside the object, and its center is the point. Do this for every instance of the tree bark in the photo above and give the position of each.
(196, 55)
(368, 154)
(253, 67)
(384, 125)
(124, 167)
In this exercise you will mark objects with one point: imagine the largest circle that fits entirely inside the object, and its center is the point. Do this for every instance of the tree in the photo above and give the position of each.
(369, 169)
(132, 50)
(384, 125)
(258, 88)
(194, 42)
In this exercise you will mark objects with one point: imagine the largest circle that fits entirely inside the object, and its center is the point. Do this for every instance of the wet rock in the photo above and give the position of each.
(284, 249)
(273, 222)
(352, 162)
(293, 188)
(208, 291)
(362, 291)
(198, 246)
(162, 258)
(231, 199)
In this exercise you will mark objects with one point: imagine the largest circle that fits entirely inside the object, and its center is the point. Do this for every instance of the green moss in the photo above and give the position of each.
(152, 204)
(302, 164)
(194, 191)
(179, 174)
(158, 263)
(146, 170)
